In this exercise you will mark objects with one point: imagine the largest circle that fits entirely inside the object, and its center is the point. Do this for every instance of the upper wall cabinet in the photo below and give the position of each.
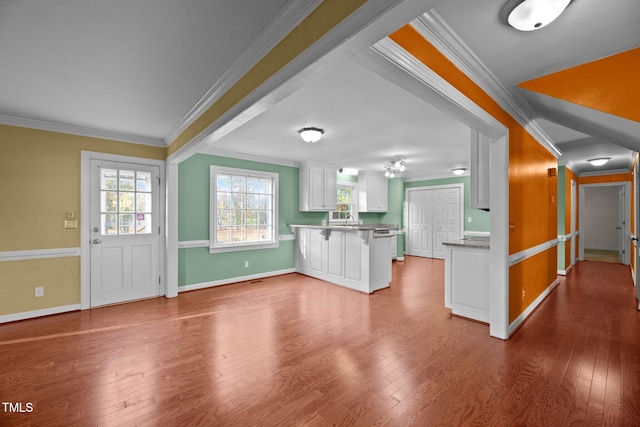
(480, 170)
(317, 187)
(373, 192)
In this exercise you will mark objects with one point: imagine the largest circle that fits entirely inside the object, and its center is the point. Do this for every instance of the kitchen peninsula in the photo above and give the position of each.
(466, 277)
(357, 257)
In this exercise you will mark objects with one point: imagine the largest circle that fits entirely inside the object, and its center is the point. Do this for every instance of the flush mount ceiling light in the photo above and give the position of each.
(529, 15)
(395, 167)
(458, 171)
(311, 134)
(599, 161)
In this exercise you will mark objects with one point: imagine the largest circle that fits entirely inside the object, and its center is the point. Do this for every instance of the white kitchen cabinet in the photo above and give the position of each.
(347, 257)
(480, 170)
(394, 247)
(372, 192)
(466, 279)
(317, 187)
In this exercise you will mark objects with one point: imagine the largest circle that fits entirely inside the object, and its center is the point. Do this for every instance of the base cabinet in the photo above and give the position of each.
(350, 258)
(466, 282)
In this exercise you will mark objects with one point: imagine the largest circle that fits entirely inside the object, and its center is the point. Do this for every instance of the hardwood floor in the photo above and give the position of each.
(292, 350)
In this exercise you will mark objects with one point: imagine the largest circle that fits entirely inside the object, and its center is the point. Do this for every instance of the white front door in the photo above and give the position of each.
(420, 229)
(125, 231)
(434, 217)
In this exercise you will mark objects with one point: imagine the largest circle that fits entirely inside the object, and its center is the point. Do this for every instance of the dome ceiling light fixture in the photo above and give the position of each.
(599, 161)
(530, 15)
(311, 134)
(459, 171)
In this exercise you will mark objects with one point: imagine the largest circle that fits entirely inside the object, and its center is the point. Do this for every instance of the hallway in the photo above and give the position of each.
(295, 350)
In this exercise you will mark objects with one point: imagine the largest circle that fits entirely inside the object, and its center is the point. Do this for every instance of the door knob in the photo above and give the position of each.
(96, 241)
(95, 229)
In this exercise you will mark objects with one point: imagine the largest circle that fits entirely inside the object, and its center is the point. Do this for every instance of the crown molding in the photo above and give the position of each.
(434, 177)
(80, 131)
(397, 55)
(285, 21)
(264, 96)
(434, 29)
(249, 157)
(605, 172)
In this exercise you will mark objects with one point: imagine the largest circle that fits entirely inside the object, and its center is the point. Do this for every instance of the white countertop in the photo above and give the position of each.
(471, 242)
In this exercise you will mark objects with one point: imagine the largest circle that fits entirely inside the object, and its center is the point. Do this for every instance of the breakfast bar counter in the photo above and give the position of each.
(355, 257)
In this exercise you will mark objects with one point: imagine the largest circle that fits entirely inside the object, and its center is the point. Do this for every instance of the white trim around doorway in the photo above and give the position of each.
(85, 212)
(627, 214)
(405, 209)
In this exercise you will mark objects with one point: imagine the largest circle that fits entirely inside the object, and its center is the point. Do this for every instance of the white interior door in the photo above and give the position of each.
(446, 218)
(125, 232)
(434, 218)
(621, 225)
(420, 229)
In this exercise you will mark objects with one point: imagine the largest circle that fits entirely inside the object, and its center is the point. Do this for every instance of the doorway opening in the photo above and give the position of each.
(604, 222)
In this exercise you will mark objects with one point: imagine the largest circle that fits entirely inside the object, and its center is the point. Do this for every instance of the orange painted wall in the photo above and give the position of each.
(533, 204)
(609, 85)
(534, 274)
(600, 179)
(532, 193)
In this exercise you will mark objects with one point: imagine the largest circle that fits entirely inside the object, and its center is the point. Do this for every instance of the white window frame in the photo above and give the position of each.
(354, 203)
(243, 246)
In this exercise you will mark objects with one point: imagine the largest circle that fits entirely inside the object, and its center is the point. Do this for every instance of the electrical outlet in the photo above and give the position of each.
(469, 219)
(246, 264)
(524, 294)
(39, 291)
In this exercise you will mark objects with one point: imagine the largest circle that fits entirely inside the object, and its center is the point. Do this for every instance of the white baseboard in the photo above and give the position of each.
(565, 272)
(520, 319)
(38, 313)
(221, 282)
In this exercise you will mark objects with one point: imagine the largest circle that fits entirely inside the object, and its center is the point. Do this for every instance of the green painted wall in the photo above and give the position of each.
(480, 220)
(394, 214)
(197, 265)
(562, 202)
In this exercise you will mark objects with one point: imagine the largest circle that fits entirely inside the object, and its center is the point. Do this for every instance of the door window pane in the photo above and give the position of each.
(109, 201)
(126, 180)
(109, 224)
(143, 223)
(126, 202)
(109, 179)
(126, 224)
(143, 182)
(143, 202)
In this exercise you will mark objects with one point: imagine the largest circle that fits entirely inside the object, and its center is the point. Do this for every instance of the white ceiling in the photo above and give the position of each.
(132, 67)
(368, 122)
(140, 69)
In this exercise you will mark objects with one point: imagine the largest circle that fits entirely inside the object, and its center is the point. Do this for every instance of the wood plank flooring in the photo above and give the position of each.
(292, 350)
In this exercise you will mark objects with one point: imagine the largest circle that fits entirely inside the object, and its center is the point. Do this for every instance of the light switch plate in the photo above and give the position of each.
(71, 223)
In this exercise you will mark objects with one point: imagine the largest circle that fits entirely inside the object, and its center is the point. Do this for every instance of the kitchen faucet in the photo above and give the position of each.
(346, 219)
